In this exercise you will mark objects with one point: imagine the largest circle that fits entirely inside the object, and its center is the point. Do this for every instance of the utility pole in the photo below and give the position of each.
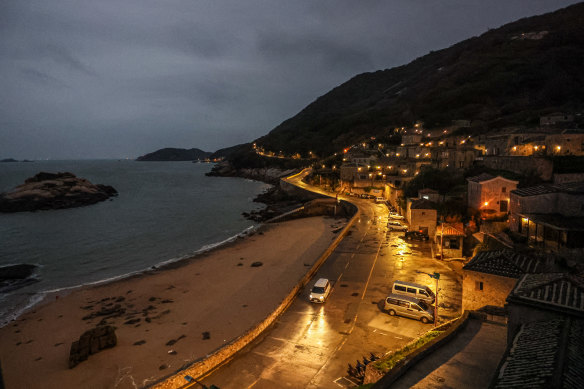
(442, 240)
(437, 277)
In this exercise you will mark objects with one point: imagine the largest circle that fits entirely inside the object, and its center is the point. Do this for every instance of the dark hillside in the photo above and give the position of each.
(172, 154)
(507, 76)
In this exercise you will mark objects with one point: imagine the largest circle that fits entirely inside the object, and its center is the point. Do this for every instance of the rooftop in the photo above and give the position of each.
(483, 177)
(423, 204)
(572, 187)
(559, 291)
(506, 263)
(545, 354)
(450, 230)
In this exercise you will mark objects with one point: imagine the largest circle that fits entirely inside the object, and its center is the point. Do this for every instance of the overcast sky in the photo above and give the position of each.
(121, 78)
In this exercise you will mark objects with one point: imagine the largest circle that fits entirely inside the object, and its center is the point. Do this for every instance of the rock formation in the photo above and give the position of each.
(91, 342)
(54, 191)
(16, 276)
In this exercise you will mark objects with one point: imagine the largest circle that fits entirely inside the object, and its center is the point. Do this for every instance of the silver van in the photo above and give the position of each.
(411, 307)
(411, 289)
(320, 291)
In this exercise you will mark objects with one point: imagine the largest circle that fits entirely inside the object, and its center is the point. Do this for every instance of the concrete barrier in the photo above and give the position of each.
(225, 353)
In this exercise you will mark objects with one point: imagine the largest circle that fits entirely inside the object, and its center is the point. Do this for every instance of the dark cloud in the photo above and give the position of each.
(119, 78)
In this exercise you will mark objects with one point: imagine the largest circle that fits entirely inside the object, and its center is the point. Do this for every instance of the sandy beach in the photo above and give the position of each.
(166, 318)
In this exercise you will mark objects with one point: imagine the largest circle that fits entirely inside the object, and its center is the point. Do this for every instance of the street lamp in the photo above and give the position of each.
(436, 276)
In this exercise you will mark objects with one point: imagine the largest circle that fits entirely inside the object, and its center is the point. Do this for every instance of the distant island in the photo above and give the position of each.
(54, 191)
(173, 154)
(13, 160)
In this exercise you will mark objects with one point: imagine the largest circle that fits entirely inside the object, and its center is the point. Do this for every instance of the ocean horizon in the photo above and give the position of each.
(165, 212)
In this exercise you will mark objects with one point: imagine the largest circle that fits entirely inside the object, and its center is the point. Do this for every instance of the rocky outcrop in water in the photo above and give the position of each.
(54, 191)
(91, 342)
(16, 276)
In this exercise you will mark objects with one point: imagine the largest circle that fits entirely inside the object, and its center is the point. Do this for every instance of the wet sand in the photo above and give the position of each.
(166, 318)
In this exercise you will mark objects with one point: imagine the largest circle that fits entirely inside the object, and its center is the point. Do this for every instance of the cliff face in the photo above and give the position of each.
(172, 154)
(508, 76)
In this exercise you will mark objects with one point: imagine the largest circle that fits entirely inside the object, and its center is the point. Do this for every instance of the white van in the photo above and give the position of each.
(413, 308)
(411, 289)
(320, 291)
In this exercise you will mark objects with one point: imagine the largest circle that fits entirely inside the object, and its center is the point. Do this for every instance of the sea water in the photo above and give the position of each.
(165, 211)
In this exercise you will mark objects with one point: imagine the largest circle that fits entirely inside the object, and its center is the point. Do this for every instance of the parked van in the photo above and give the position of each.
(320, 290)
(411, 289)
(411, 307)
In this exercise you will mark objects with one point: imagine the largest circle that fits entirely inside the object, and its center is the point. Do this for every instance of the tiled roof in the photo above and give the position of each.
(534, 190)
(544, 354)
(481, 177)
(553, 289)
(506, 263)
(572, 187)
(449, 230)
(423, 204)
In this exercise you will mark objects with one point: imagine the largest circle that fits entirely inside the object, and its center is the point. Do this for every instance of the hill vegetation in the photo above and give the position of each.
(508, 76)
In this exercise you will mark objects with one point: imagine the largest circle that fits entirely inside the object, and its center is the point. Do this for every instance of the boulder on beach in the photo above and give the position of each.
(54, 191)
(91, 342)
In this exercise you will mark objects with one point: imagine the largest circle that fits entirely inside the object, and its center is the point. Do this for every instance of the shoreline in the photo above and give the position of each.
(216, 292)
(38, 298)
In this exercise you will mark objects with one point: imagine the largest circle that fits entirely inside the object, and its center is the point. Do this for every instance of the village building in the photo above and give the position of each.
(544, 296)
(569, 142)
(550, 216)
(545, 338)
(449, 238)
(422, 216)
(353, 171)
(489, 277)
(490, 194)
(454, 157)
(429, 194)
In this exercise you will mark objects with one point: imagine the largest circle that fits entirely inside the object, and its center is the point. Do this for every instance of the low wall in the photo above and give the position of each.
(301, 193)
(385, 380)
(222, 355)
(319, 207)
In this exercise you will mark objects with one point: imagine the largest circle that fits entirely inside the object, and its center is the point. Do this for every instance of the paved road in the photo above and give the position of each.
(310, 345)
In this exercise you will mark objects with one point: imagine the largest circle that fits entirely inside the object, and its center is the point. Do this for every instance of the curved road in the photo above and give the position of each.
(311, 345)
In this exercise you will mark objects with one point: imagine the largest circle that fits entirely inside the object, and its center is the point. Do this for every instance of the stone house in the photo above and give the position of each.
(353, 171)
(429, 194)
(545, 333)
(550, 216)
(422, 215)
(454, 157)
(489, 277)
(544, 296)
(448, 238)
(543, 354)
(490, 194)
(569, 142)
